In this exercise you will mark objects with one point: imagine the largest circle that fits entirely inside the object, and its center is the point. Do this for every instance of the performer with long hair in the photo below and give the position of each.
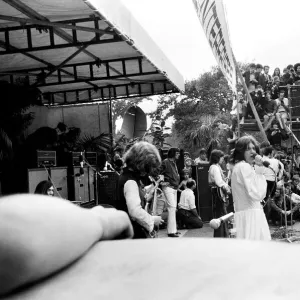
(219, 189)
(249, 188)
(142, 160)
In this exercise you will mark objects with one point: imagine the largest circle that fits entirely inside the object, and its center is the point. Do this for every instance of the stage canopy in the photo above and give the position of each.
(79, 51)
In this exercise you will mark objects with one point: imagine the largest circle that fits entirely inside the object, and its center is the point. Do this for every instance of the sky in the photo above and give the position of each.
(261, 31)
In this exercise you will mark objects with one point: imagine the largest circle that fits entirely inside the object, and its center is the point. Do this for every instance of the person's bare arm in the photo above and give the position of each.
(40, 235)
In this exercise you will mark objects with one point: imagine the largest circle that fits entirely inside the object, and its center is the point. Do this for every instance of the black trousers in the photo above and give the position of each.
(271, 189)
(187, 218)
(219, 210)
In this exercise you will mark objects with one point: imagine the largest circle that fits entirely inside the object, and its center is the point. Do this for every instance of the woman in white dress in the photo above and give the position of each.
(249, 188)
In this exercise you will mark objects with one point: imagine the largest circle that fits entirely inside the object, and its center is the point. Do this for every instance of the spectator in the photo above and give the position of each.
(249, 75)
(45, 187)
(274, 135)
(276, 73)
(282, 109)
(187, 214)
(270, 109)
(186, 177)
(202, 157)
(265, 79)
(297, 73)
(275, 87)
(258, 71)
(288, 77)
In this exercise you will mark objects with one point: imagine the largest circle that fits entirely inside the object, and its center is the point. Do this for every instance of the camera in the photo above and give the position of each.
(292, 70)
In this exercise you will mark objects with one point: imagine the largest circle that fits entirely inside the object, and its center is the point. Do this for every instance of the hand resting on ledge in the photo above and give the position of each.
(40, 235)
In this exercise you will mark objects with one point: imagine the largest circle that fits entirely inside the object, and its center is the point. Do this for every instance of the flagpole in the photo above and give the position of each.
(250, 99)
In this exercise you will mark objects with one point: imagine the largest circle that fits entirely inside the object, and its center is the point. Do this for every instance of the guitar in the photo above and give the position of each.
(223, 194)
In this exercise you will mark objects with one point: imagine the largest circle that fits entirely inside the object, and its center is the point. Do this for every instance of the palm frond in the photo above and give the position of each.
(6, 148)
(101, 143)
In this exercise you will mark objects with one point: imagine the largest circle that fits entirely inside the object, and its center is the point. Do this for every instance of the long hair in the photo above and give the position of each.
(215, 156)
(43, 187)
(241, 147)
(143, 157)
(276, 74)
(172, 152)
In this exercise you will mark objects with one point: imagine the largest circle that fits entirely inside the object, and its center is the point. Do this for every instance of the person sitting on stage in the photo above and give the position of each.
(249, 188)
(142, 160)
(282, 109)
(202, 157)
(277, 213)
(270, 107)
(295, 186)
(187, 214)
(219, 186)
(45, 187)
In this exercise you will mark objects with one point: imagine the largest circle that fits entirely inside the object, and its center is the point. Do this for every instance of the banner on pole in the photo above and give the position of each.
(211, 14)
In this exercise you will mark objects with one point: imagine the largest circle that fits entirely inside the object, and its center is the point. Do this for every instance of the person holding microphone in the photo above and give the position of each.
(249, 188)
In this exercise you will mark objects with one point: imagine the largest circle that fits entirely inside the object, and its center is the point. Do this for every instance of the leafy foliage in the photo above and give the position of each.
(15, 100)
(100, 143)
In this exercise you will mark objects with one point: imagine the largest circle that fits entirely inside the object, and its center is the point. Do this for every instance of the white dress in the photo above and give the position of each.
(249, 188)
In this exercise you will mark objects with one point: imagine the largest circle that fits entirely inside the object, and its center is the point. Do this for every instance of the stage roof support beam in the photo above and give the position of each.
(55, 25)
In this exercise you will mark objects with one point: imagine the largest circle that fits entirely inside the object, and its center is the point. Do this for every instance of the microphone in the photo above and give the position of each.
(259, 159)
(215, 223)
(81, 170)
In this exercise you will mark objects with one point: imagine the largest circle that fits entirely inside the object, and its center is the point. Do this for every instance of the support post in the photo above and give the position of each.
(250, 100)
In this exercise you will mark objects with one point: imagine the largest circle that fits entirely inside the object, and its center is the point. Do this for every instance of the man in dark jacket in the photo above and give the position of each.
(249, 75)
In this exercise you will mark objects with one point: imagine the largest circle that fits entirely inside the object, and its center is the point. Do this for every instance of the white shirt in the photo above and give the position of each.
(135, 210)
(270, 174)
(249, 186)
(187, 200)
(295, 198)
(215, 175)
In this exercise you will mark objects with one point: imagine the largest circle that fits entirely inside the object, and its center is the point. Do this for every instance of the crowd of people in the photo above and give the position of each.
(269, 94)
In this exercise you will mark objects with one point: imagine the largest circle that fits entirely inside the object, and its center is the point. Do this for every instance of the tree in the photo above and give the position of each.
(15, 100)
(119, 108)
(208, 95)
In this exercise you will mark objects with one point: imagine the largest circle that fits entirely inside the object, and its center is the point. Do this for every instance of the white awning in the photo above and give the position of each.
(79, 51)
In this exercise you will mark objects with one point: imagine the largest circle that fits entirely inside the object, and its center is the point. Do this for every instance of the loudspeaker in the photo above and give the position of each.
(203, 195)
(295, 95)
(46, 158)
(58, 176)
(84, 185)
(107, 188)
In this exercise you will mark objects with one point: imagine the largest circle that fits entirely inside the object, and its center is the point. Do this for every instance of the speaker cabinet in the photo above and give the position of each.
(107, 188)
(203, 195)
(58, 176)
(295, 95)
(84, 185)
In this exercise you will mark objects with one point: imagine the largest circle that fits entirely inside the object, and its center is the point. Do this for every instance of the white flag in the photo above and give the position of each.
(211, 14)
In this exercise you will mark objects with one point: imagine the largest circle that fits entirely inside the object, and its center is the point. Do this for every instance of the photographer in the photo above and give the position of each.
(297, 73)
(289, 76)
(274, 135)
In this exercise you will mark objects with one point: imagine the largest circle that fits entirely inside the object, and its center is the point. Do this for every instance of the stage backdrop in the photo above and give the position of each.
(90, 118)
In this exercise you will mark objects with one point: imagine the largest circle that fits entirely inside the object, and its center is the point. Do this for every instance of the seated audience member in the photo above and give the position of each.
(277, 214)
(142, 160)
(186, 177)
(258, 71)
(188, 162)
(293, 197)
(256, 96)
(295, 185)
(45, 187)
(202, 157)
(282, 110)
(187, 214)
(275, 88)
(274, 135)
(237, 109)
(269, 108)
